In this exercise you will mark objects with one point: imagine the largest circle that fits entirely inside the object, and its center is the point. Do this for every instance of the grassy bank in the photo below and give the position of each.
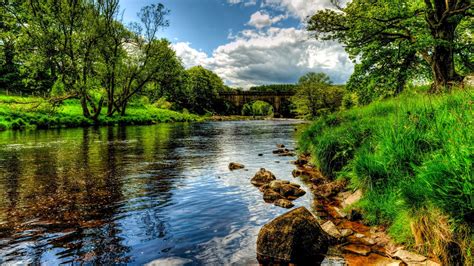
(413, 158)
(30, 113)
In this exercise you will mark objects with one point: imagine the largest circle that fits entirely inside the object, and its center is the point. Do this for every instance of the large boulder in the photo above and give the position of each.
(295, 237)
(262, 177)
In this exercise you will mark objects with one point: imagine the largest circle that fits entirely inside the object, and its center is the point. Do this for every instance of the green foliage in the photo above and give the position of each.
(395, 41)
(315, 96)
(408, 153)
(203, 91)
(257, 108)
(275, 88)
(27, 113)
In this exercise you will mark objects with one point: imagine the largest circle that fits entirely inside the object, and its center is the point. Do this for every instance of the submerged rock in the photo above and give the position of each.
(236, 166)
(284, 203)
(262, 177)
(295, 237)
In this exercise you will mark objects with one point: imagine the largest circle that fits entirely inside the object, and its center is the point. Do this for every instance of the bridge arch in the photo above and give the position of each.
(279, 100)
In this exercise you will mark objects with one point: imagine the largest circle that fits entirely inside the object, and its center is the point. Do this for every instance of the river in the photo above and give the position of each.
(139, 194)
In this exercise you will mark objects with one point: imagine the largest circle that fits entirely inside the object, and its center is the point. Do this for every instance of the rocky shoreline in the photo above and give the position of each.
(352, 240)
(335, 230)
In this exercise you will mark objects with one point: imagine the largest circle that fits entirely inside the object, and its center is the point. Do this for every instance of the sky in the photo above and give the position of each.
(249, 42)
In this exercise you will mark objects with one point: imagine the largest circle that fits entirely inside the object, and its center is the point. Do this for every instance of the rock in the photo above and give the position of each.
(353, 198)
(329, 189)
(270, 195)
(330, 228)
(297, 172)
(295, 237)
(281, 151)
(286, 154)
(264, 187)
(371, 259)
(284, 203)
(262, 177)
(235, 166)
(301, 161)
(260, 154)
(409, 257)
(361, 239)
(291, 191)
(357, 249)
(335, 212)
(280, 146)
(346, 232)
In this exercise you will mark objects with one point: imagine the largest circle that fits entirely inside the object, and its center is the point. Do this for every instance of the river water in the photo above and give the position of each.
(142, 194)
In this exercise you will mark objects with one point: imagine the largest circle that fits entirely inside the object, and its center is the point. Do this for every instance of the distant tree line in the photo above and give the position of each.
(82, 50)
(275, 88)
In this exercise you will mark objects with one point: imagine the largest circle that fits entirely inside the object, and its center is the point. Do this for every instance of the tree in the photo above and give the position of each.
(204, 86)
(392, 40)
(147, 56)
(316, 96)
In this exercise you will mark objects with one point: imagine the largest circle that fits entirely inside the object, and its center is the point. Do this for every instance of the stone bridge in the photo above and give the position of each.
(279, 100)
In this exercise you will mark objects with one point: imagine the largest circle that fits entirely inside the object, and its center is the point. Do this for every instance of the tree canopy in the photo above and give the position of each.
(394, 41)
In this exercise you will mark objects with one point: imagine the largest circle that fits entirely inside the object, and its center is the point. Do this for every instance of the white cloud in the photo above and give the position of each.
(189, 56)
(274, 55)
(261, 19)
(245, 2)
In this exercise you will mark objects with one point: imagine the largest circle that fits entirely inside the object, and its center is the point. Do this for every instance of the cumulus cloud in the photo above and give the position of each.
(190, 56)
(261, 19)
(274, 55)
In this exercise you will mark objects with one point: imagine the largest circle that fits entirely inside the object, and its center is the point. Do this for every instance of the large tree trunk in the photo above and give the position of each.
(442, 59)
(85, 108)
(443, 18)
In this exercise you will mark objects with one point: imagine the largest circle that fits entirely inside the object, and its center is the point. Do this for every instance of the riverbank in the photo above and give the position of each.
(411, 158)
(353, 241)
(36, 113)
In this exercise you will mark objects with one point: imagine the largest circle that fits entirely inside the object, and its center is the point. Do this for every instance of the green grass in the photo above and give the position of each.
(30, 113)
(410, 155)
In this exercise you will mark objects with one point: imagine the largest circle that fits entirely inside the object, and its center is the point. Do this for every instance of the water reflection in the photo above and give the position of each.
(137, 194)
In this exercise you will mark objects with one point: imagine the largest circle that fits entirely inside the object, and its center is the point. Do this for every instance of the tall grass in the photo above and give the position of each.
(30, 113)
(413, 158)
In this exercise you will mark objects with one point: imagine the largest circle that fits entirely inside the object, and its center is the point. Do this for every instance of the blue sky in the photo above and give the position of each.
(248, 42)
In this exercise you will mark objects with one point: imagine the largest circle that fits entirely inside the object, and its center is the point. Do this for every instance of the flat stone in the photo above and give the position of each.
(284, 203)
(335, 212)
(409, 257)
(353, 198)
(330, 228)
(361, 239)
(346, 232)
(371, 259)
(357, 249)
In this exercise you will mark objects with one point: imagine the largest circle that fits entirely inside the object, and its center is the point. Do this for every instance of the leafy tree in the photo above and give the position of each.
(148, 58)
(204, 86)
(316, 96)
(392, 40)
